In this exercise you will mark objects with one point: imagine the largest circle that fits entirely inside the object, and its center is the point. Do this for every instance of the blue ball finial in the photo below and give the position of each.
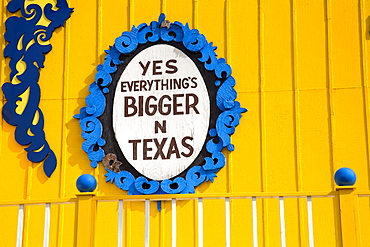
(86, 183)
(345, 177)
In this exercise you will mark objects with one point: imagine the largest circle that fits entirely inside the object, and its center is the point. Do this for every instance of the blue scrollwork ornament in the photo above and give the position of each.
(27, 44)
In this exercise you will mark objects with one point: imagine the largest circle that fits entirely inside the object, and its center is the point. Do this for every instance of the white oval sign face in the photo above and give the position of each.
(161, 112)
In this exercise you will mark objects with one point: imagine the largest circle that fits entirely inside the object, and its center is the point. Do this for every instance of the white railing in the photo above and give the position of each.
(86, 205)
(20, 221)
(200, 216)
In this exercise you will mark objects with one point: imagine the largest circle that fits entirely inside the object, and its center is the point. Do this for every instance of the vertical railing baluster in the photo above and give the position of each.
(310, 221)
(147, 222)
(120, 223)
(20, 225)
(254, 220)
(200, 222)
(174, 222)
(47, 225)
(227, 220)
(282, 222)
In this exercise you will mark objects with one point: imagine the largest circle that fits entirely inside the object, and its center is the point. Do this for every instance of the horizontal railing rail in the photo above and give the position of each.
(37, 202)
(169, 197)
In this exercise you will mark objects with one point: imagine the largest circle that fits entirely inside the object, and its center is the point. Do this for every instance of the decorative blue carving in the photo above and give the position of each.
(225, 100)
(146, 187)
(32, 52)
(175, 186)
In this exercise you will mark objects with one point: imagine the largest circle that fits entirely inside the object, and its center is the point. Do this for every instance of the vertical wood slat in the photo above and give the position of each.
(63, 150)
(330, 88)
(262, 110)
(310, 221)
(365, 72)
(63, 153)
(120, 223)
(147, 223)
(297, 127)
(47, 225)
(174, 222)
(20, 225)
(297, 108)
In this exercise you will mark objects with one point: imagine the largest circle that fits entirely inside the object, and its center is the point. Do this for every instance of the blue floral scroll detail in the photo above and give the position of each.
(146, 187)
(123, 179)
(92, 126)
(173, 186)
(31, 51)
(225, 101)
(174, 33)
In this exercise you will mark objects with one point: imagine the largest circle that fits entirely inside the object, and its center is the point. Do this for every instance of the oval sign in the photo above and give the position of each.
(161, 112)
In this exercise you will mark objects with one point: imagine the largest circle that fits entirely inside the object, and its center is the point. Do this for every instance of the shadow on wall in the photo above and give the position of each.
(74, 139)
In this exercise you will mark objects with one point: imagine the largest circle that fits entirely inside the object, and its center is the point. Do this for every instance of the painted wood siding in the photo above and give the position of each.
(302, 71)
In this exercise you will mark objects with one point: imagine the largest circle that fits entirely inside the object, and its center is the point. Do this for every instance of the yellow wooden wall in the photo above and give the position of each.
(302, 70)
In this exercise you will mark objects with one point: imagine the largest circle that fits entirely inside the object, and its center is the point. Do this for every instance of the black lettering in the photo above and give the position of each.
(161, 105)
(143, 85)
(173, 149)
(156, 83)
(176, 84)
(130, 85)
(150, 83)
(192, 105)
(162, 126)
(155, 67)
(134, 148)
(129, 105)
(188, 146)
(145, 68)
(194, 81)
(152, 107)
(159, 148)
(164, 85)
(185, 83)
(172, 67)
(146, 149)
(123, 89)
(176, 105)
(141, 100)
(136, 85)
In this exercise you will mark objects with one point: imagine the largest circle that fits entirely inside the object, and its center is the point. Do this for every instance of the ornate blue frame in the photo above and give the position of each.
(32, 53)
(225, 100)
